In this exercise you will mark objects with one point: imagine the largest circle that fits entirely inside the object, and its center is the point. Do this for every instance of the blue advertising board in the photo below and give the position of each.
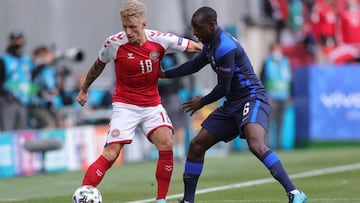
(327, 103)
(7, 163)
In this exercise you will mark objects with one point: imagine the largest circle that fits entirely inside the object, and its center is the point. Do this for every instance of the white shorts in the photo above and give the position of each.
(127, 117)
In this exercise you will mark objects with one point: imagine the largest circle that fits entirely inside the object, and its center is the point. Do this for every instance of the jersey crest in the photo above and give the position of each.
(154, 55)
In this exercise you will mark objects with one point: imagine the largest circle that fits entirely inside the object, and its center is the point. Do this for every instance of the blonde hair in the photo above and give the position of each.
(133, 9)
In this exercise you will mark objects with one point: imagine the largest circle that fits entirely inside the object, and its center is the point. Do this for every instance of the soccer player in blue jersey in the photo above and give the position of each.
(245, 111)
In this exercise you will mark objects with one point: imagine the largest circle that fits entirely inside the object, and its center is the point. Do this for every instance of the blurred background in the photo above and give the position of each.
(306, 52)
(86, 24)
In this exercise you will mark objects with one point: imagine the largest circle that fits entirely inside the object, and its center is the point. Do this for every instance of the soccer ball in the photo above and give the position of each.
(87, 194)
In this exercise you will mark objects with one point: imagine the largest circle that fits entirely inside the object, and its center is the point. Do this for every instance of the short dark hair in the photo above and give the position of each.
(40, 49)
(205, 15)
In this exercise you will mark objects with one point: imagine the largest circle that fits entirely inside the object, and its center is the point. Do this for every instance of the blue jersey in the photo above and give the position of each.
(237, 80)
(246, 98)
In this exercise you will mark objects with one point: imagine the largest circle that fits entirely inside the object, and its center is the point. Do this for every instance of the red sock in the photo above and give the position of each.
(164, 171)
(96, 172)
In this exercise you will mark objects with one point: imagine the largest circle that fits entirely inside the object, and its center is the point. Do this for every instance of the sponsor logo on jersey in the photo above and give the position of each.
(168, 167)
(130, 56)
(99, 173)
(180, 40)
(154, 55)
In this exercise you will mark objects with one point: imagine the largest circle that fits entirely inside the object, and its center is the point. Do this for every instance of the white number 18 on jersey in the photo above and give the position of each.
(146, 66)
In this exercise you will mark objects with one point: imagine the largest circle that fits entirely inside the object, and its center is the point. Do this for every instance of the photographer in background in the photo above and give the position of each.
(64, 101)
(43, 112)
(15, 84)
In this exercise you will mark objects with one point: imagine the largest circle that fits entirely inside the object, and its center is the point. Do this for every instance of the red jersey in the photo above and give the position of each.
(136, 67)
(350, 26)
(323, 18)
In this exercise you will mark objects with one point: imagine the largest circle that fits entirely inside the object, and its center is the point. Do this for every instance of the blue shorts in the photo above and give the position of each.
(227, 121)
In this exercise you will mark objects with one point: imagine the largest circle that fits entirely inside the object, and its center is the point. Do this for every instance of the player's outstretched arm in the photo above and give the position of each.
(194, 46)
(94, 72)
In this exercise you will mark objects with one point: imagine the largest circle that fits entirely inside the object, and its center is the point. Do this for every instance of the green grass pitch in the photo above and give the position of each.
(135, 181)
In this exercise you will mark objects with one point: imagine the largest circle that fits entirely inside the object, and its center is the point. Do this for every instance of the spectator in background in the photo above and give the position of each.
(295, 35)
(276, 77)
(350, 23)
(348, 47)
(15, 84)
(323, 19)
(278, 11)
(170, 91)
(42, 112)
(296, 16)
(292, 33)
(309, 4)
(64, 97)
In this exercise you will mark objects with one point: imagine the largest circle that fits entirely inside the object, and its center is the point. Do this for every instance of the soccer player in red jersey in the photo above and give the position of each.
(136, 53)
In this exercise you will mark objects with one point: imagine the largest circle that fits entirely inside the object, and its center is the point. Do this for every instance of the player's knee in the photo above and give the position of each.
(162, 138)
(196, 148)
(257, 148)
(167, 143)
(163, 144)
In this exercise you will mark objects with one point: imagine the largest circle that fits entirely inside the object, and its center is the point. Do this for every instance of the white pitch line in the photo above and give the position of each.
(11, 200)
(342, 200)
(265, 180)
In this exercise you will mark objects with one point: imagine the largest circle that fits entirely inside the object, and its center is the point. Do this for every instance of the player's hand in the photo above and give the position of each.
(82, 97)
(192, 106)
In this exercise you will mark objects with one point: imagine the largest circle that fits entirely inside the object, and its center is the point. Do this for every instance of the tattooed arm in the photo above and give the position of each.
(93, 73)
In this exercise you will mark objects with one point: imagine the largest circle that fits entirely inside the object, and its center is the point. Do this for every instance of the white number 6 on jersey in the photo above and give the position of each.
(246, 109)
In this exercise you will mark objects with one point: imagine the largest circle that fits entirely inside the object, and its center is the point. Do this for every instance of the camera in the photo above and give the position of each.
(72, 54)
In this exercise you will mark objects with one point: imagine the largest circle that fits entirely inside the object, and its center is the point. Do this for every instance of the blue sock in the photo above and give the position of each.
(191, 176)
(273, 163)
